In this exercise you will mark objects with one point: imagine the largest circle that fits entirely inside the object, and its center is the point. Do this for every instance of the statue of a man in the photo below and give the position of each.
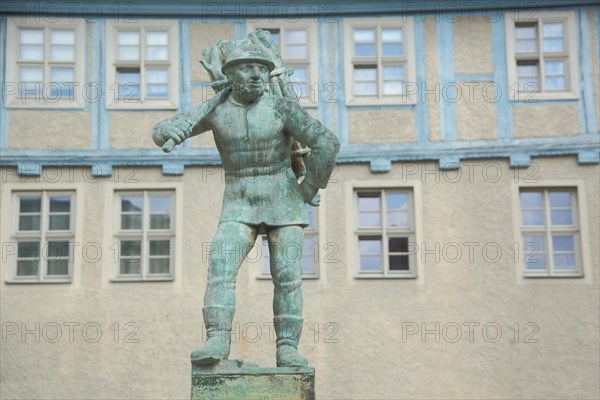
(253, 132)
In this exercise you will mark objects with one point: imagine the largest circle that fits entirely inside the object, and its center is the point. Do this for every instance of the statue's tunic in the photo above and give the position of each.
(254, 145)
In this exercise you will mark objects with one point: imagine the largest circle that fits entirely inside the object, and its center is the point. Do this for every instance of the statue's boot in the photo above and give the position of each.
(288, 329)
(218, 329)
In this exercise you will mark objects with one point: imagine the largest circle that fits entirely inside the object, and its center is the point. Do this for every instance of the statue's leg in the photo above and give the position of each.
(285, 247)
(230, 246)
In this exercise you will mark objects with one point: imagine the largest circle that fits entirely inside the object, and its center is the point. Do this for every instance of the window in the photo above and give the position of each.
(46, 63)
(310, 250)
(43, 235)
(384, 233)
(542, 56)
(145, 235)
(380, 60)
(142, 65)
(297, 43)
(550, 232)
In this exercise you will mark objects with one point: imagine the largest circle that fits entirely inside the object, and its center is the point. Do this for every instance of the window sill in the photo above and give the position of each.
(535, 97)
(36, 282)
(398, 101)
(140, 106)
(137, 280)
(546, 276)
(380, 276)
(45, 105)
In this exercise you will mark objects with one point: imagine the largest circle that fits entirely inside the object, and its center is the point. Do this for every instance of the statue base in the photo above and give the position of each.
(235, 379)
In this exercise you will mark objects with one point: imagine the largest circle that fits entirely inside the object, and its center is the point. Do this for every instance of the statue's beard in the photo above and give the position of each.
(249, 91)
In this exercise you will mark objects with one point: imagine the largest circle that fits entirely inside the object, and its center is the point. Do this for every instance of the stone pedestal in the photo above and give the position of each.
(239, 380)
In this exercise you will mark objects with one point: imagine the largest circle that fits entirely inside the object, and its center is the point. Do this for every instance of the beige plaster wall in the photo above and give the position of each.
(473, 45)
(381, 126)
(370, 358)
(545, 120)
(49, 130)
(133, 129)
(475, 113)
(203, 35)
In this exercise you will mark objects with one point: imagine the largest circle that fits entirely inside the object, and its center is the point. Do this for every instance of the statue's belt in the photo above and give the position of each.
(258, 170)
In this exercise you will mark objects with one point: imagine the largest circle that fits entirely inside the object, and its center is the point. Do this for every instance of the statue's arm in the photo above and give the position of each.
(180, 127)
(323, 143)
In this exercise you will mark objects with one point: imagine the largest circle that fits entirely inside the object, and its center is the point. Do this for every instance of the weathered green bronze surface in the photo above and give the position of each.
(260, 131)
(234, 379)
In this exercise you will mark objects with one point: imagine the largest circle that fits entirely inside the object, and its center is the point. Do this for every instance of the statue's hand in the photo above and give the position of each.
(310, 193)
(177, 131)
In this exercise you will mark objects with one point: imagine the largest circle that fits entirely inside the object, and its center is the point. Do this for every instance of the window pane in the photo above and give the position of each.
(369, 219)
(160, 204)
(58, 249)
(398, 245)
(58, 267)
(128, 53)
(29, 223)
(369, 245)
(158, 91)
(31, 36)
(368, 203)
(559, 199)
(556, 83)
(396, 200)
(29, 52)
(365, 89)
(553, 29)
(391, 35)
(31, 74)
(128, 38)
(365, 74)
(397, 219)
(551, 45)
(157, 75)
(561, 217)
(129, 80)
(30, 204)
(370, 263)
(364, 49)
(309, 212)
(157, 53)
(526, 38)
(534, 244)
(62, 53)
(28, 250)
(308, 257)
(62, 74)
(60, 204)
(159, 247)
(159, 266)
(131, 221)
(59, 222)
(392, 87)
(526, 45)
(532, 217)
(392, 49)
(295, 51)
(562, 243)
(531, 199)
(399, 263)
(131, 203)
(393, 72)
(528, 76)
(158, 38)
(297, 36)
(274, 35)
(364, 35)
(131, 248)
(27, 267)
(130, 266)
(564, 261)
(299, 74)
(62, 36)
(160, 221)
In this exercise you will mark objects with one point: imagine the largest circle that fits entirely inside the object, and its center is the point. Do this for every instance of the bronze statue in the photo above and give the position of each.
(255, 120)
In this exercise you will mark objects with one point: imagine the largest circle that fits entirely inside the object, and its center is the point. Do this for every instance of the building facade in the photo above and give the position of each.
(455, 251)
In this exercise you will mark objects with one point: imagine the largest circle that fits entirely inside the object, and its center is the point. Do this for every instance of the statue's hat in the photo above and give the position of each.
(248, 52)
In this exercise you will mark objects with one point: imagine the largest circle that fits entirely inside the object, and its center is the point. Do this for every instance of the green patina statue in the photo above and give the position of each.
(258, 125)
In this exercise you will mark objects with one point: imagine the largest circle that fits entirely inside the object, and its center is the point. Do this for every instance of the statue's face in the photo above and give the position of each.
(249, 79)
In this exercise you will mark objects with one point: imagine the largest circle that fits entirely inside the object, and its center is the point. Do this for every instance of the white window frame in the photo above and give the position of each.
(263, 253)
(378, 23)
(13, 62)
(570, 55)
(384, 232)
(43, 236)
(547, 230)
(144, 235)
(172, 64)
(311, 62)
